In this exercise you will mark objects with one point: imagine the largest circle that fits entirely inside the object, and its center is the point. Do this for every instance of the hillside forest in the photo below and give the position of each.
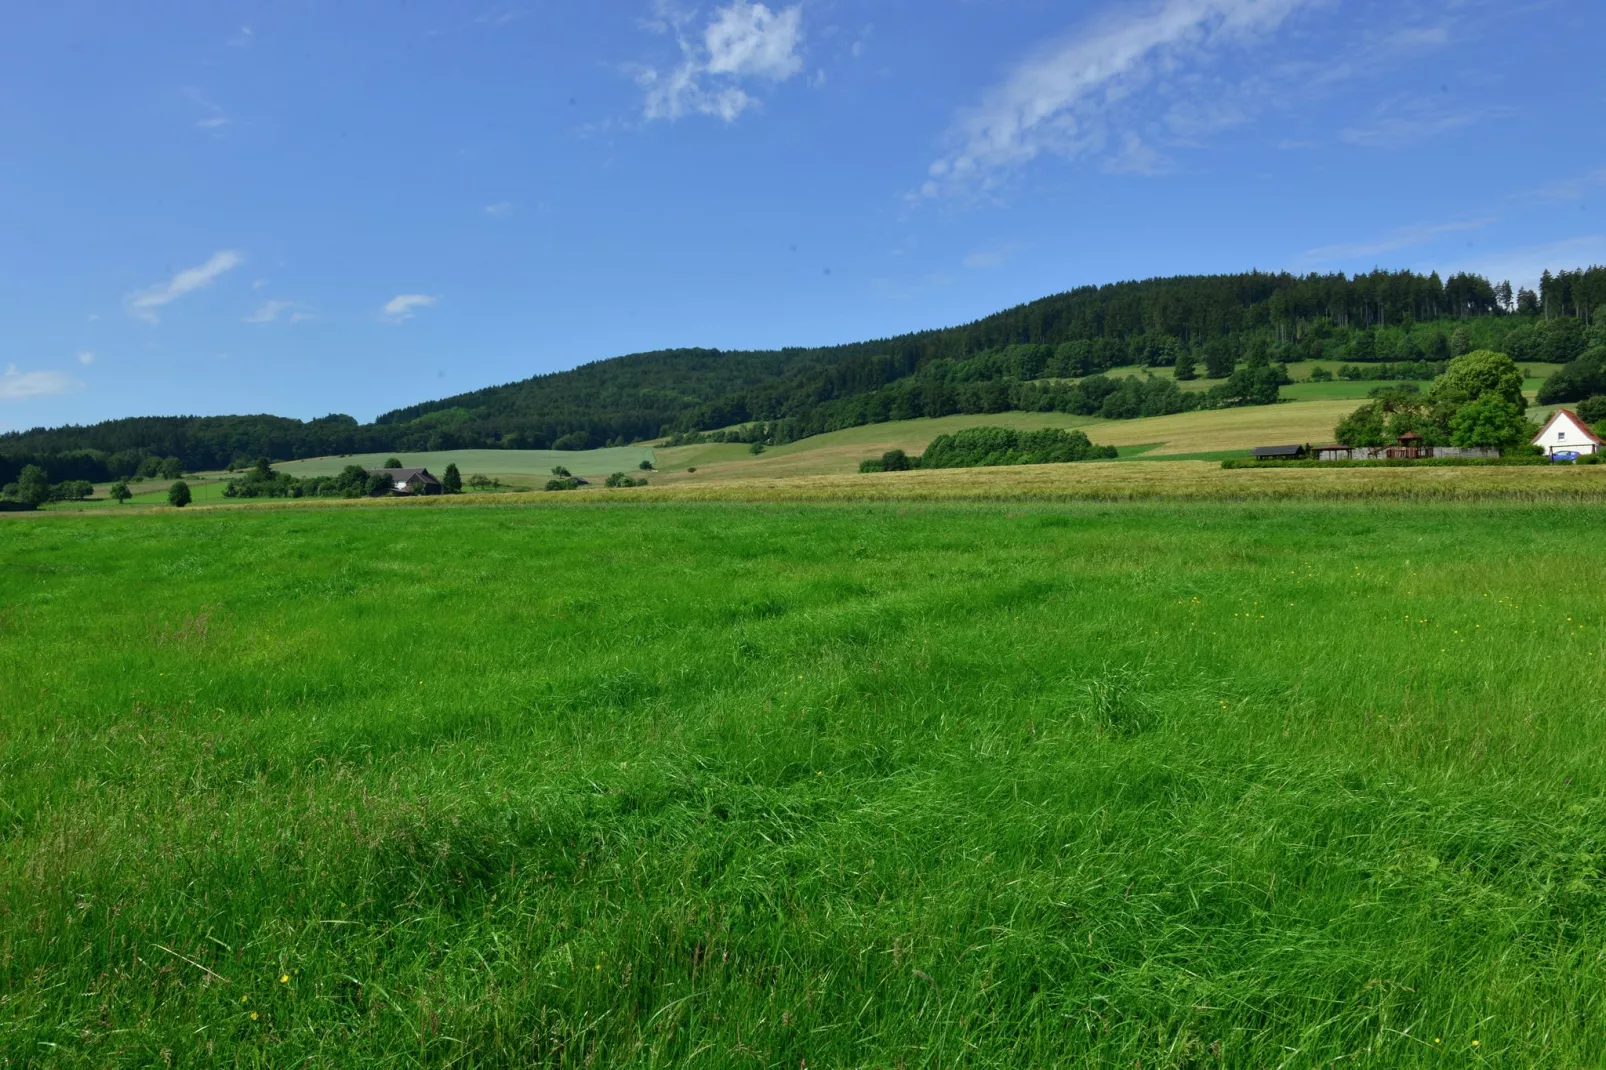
(1236, 331)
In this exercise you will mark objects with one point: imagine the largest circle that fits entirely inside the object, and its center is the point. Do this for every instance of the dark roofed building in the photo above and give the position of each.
(1277, 453)
(409, 480)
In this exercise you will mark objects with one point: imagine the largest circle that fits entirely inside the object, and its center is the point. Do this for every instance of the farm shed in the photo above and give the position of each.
(1566, 433)
(1278, 453)
(409, 480)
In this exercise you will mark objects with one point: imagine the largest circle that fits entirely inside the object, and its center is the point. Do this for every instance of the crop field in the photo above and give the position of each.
(658, 783)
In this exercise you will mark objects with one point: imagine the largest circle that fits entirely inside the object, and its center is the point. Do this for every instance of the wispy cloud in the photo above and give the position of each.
(742, 41)
(144, 303)
(279, 311)
(1570, 189)
(215, 121)
(1404, 238)
(242, 38)
(1392, 131)
(19, 386)
(499, 210)
(1064, 100)
(403, 307)
(85, 357)
(991, 259)
(500, 15)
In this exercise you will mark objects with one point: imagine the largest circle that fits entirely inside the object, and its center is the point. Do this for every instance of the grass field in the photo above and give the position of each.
(804, 785)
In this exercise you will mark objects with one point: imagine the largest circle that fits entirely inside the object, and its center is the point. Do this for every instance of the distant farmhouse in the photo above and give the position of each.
(409, 480)
(1566, 437)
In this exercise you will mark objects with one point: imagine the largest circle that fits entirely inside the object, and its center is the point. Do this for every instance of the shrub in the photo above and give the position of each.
(895, 461)
(1320, 374)
(392, 462)
(645, 466)
(619, 479)
(560, 471)
(870, 466)
(985, 446)
(756, 448)
(178, 495)
(562, 484)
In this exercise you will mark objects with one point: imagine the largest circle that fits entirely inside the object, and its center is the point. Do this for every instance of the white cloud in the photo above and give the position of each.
(742, 41)
(215, 120)
(242, 38)
(19, 386)
(142, 305)
(401, 308)
(1066, 99)
(274, 311)
(499, 210)
(86, 358)
(991, 259)
(1571, 189)
(1404, 238)
(1397, 130)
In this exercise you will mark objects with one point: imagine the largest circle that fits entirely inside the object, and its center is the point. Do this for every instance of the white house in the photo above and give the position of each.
(1566, 433)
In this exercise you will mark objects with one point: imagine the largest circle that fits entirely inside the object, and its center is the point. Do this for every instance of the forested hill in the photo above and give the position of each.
(1047, 354)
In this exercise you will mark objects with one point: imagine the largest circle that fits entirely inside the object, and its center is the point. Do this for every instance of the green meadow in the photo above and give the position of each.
(837, 785)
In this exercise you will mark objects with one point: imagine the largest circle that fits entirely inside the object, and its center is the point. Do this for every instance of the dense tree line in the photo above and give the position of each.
(1014, 359)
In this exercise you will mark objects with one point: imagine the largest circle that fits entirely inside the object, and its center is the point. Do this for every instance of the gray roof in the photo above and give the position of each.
(1276, 451)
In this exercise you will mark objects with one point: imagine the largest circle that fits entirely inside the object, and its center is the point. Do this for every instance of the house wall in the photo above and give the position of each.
(1565, 435)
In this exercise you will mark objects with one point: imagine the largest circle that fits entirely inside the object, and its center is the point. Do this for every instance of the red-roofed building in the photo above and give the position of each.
(1566, 433)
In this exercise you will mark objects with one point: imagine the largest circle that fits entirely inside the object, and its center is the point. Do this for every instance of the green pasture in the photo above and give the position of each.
(612, 785)
(485, 462)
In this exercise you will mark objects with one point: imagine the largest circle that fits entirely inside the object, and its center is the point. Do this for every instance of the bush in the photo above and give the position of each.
(895, 461)
(645, 466)
(870, 466)
(178, 495)
(562, 484)
(392, 462)
(1320, 374)
(561, 472)
(619, 479)
(756, 448)
(986, 446)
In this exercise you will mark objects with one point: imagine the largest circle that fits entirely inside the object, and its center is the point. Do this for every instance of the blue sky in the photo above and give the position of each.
(302, 207)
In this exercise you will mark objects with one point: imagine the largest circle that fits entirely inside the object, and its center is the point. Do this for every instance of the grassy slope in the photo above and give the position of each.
(855, 786)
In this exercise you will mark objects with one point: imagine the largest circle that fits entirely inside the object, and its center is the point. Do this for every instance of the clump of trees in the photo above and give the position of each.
(619, 479)
(33, 488)
(1477, 402)
(981, 447)
(263, 481)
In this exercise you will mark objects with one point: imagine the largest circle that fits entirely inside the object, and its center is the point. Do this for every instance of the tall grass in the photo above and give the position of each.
(854, 785)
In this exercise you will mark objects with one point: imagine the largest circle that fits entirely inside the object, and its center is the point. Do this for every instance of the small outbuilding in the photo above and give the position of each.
(1279, 453)
(409, 480)
(1565, 433)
